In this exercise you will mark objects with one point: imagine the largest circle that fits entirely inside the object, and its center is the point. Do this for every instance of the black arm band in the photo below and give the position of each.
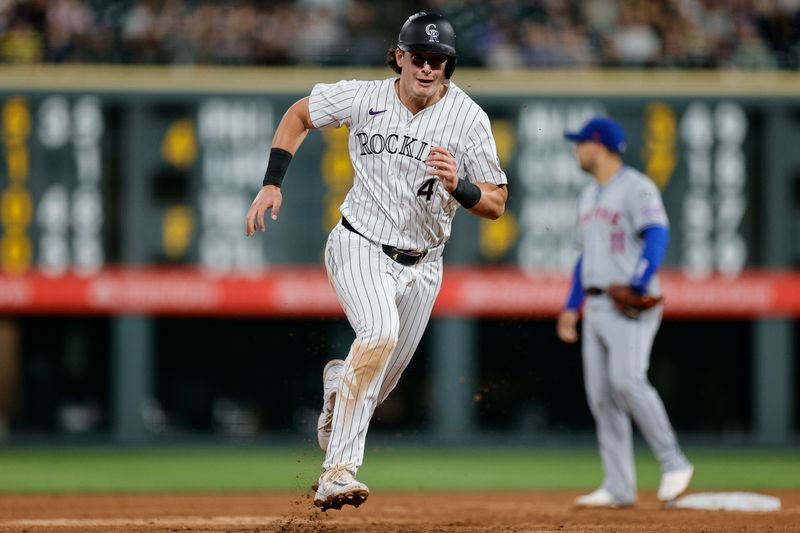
(279, 160)
(467, 193)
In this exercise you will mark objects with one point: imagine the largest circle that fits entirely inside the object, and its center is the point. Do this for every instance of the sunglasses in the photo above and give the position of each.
(434, 60)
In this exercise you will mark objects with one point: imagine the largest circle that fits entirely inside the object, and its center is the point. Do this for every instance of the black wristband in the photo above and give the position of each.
(467, 193)
(279, 160)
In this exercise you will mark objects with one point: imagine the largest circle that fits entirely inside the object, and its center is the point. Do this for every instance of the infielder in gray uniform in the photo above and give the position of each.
(420, 147)
(623, 234)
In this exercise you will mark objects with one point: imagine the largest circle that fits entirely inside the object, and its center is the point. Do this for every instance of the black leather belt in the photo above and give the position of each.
(404, 257)
(594, 291)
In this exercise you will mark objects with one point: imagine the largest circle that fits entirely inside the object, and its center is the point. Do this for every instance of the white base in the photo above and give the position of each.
(727, 501)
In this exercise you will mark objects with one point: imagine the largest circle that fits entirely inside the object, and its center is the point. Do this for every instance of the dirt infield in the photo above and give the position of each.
(384, 512)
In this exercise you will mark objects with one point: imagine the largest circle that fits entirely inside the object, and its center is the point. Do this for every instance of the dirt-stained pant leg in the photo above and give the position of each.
(414, 303)
(388, 307)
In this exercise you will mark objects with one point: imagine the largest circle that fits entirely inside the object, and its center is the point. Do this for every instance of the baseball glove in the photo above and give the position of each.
(629, 303)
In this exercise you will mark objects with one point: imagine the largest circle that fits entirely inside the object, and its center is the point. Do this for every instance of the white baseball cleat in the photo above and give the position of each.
(331, 376)
(600, 498)
(337, 487)
(674, 483)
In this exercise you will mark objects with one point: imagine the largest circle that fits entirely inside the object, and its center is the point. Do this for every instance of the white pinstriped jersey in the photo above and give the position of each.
(393, 200)
(610, 220)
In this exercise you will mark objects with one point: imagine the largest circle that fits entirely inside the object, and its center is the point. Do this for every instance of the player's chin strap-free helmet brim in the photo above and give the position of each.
(429, 32)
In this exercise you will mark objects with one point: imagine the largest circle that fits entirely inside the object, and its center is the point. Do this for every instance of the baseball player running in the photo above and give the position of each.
(419, 147)
(623, 234)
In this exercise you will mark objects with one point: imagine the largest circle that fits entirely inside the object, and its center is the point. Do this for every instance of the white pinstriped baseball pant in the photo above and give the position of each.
(388, 306)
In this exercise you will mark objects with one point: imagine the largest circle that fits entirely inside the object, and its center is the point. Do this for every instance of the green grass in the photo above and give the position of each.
(225, 469)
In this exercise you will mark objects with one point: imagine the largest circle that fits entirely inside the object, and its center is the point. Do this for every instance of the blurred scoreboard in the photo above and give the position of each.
(95, 183)
(701, 154)
(93, 180)
(55, 191)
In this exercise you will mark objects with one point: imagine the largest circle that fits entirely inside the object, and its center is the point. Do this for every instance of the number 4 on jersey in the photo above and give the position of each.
(426, 189)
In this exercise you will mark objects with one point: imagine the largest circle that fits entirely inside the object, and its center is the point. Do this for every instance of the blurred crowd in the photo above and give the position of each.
(740, 34)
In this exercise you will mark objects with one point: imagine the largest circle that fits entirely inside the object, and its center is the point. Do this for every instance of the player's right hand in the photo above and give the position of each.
(567, 326)
(443, 165)
(269, 197)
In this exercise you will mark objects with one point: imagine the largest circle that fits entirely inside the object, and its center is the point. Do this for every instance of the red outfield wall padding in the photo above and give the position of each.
(305, 292)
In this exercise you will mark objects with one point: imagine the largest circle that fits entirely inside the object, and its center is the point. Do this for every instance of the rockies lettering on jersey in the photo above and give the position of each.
(377, 144)
(393, 200)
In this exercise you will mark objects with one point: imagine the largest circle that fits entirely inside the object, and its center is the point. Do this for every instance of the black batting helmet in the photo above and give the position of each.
(429, 32)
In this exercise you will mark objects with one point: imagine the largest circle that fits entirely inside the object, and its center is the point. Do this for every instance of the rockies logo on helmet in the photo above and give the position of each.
(431, 33)
(431, 30)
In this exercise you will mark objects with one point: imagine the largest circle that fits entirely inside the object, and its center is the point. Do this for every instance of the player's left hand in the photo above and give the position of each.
(629, 303)
(443, 165)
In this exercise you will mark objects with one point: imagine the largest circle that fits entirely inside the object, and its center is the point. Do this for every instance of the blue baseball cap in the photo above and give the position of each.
(602, 130)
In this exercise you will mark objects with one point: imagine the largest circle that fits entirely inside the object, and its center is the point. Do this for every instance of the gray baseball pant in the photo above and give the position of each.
(616, 356)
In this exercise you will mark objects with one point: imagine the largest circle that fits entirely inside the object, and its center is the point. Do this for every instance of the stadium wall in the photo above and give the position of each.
(124, 191)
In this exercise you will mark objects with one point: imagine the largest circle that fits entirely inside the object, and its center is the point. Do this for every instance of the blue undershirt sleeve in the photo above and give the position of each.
(656, 239)
(575, 299)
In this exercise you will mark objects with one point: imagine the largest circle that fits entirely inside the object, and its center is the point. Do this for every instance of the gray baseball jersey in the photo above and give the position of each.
(616, 349)
(395, 202)
(610, 220)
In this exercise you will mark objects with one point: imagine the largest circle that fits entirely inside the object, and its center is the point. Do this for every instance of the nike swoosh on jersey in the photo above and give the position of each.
(371, 112)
